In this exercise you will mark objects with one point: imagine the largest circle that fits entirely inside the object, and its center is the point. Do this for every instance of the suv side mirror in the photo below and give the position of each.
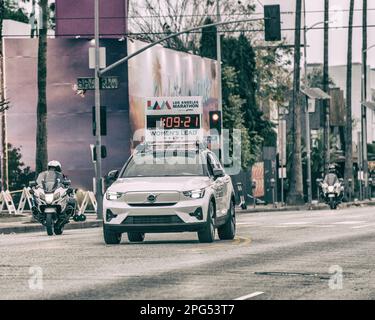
(218, 172)
(112, 175)
(32, 184)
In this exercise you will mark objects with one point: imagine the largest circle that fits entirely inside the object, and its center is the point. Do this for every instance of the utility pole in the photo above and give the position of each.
(296, 185)
(98, 149)
(219, 80)
(307, 116)
(363, 99)
(326, 129)
(349, 125)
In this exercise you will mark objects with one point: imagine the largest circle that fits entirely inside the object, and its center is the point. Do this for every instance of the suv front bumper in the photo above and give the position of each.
(186, 215)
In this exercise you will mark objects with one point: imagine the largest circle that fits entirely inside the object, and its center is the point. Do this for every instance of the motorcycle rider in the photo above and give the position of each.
(54, 173)
(331, 177)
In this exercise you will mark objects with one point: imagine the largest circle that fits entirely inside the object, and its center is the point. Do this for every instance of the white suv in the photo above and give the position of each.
(169, 190)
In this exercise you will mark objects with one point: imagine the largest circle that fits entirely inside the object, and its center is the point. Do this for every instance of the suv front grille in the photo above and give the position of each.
(152, 220)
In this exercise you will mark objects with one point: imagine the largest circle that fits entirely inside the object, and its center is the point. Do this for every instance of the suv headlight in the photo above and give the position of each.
(113, 195)
(194, 194)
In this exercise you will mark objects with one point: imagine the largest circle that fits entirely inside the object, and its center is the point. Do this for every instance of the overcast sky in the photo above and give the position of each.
(337, 37)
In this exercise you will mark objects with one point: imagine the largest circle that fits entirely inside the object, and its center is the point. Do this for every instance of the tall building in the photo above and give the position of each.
(338, 75)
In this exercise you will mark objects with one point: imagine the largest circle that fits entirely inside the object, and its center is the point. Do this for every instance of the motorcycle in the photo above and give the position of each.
(52, 206)
(333, 193)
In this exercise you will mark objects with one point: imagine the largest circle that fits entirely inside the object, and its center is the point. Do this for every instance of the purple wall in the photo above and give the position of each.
(76, 17)
(69, 115)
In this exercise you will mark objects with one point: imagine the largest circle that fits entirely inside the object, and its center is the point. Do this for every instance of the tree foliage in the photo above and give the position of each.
(19, 174)
(233, 118)
(151, 20)
(12, 11)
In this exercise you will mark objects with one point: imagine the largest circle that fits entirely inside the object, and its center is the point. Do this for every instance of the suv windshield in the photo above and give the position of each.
(164, 165)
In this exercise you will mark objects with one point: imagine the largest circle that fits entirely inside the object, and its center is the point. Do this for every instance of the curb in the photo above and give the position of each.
(39, 228)
(306, 208)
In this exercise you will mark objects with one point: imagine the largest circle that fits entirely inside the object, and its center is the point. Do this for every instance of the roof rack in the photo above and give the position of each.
(154, 146)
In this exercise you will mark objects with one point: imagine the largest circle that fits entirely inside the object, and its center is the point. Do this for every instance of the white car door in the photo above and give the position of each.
(218, 184)
(227, 187)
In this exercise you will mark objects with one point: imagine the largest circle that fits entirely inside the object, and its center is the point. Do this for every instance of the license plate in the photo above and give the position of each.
(331, 195)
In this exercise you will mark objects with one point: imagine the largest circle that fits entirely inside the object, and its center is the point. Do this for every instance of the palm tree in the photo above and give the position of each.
(349, 129)
(4, 162)
(326, 89)
(41, 129)
(296, 186)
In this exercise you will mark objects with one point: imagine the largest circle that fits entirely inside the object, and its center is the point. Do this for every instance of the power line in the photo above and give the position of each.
(206, 15)
(129, 34)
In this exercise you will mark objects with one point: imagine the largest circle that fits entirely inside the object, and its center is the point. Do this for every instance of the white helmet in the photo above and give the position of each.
(54, 164)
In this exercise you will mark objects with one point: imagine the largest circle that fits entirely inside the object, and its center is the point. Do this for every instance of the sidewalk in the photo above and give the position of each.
(317, 206)
(23, 224)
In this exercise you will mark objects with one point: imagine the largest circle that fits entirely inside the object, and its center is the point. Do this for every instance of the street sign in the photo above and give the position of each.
(102, 58)
(282, 173)
(106, 83)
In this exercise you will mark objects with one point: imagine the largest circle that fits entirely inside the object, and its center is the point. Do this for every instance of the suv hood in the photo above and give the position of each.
(180, 184)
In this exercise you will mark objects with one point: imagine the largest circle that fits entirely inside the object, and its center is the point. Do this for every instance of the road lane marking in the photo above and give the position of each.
(349, 222)
(249, 296)
(364, 226)
(296, 223)
(238, 241)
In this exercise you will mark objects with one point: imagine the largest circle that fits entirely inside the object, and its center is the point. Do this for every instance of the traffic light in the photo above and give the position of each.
(103, 121)
(93, 152)
(272, 23)
(215, 121)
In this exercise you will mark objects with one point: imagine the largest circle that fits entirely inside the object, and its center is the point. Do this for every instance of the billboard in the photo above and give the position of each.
(162, 72)
(69, 117)
(76, 18)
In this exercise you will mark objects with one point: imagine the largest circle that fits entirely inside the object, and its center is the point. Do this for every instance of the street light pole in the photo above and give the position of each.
(307, 117)
(218, 71)
(98, 144)
(132, 55)
(364, 117)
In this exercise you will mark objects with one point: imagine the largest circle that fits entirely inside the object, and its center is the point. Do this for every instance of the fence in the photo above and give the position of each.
(86, 202)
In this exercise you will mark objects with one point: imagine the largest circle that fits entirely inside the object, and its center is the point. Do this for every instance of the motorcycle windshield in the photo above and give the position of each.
(331, 179)
(50, 181)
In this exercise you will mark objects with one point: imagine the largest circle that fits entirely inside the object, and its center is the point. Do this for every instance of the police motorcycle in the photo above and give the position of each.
(53, 206)
(332, 190)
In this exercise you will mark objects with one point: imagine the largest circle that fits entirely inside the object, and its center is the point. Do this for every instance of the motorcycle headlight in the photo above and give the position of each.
(331, 188)
(194, 194)
(49, 198)
(113, 195)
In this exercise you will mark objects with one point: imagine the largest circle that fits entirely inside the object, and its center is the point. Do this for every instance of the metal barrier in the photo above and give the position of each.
(7, 204)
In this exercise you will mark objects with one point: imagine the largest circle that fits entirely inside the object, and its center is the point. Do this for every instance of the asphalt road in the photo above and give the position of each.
(290, 255)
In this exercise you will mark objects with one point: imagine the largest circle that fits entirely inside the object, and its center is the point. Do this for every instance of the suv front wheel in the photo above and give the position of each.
(207, 234)
(228, 230)
(111, 237)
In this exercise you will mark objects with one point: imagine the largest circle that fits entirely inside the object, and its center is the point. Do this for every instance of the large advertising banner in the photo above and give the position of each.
(69, 111)
(160, 72)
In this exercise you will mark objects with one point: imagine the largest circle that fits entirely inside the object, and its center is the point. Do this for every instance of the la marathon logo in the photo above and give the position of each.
(164, 105)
